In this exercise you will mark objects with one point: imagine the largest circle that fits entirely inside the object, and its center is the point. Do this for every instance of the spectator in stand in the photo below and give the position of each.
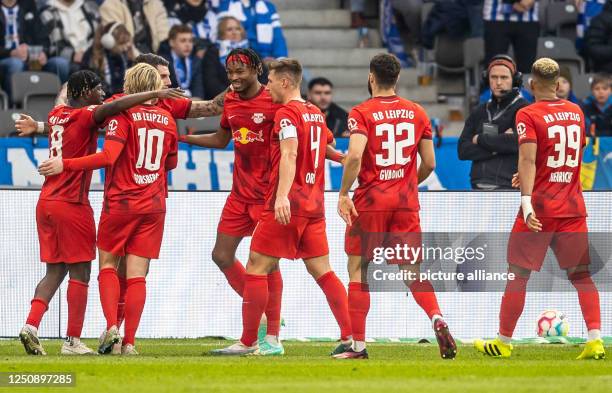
(489, 137)
(186, 69)
(260, 20)
(357, 10)
(111, 54)
(231, 35)
(597, 107)
(587, 10)
(69, 26)
(564, 90)
(320, 93)
(187, 12)
(22, 30)
(598, 41)
(512, 23)
(146, 20)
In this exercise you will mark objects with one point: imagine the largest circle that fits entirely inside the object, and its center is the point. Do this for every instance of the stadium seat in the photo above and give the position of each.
(563, 51)
(448, 53)
(198, 126)
(473, 56)
(3, 100)
(581, 85)
(561, 19)
(7, 122)
(29, 82)
(39, 104)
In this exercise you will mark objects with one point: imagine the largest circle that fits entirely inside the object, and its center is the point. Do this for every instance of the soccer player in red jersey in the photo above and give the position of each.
(140, 147)
(551, 136)
(64, 217)
(292, 224)
(387, 132)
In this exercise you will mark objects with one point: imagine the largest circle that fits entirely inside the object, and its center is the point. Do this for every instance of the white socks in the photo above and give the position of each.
(273, 340)
(358, 346)
(504, 339)
(434, 318)
(594, 334)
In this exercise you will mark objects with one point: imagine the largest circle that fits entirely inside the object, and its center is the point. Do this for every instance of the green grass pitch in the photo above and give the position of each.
(185, 366)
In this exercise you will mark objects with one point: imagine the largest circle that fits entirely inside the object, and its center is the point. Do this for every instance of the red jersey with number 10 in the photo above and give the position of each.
(72, 134)
(394, 127)
(304, 121)
(558, 128)
(136, 183)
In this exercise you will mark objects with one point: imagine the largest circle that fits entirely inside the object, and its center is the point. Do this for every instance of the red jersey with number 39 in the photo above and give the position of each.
(558, 129)
(304, 121)
(136, 183)
(394, 127)
(72, 134)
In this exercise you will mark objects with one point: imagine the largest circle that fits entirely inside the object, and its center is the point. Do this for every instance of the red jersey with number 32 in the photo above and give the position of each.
(304, 121)
(250, 122)
(558, 128)
(394, 127)
(136, 183)
(72, 134)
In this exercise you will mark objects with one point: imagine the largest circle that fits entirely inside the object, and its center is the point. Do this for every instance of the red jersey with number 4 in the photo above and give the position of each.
(394, 127)
(72, 134)
(250, 122)
(304, 121)
(558, 128)
(136, 183)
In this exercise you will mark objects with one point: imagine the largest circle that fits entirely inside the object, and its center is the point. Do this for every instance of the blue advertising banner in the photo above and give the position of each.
(206, 169)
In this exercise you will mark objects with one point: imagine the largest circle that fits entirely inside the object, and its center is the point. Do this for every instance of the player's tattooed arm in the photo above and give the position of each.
(114, 107)
(286, 175)
(27, 126)
(352, 164)
(208, 108)
(217, 140)
(526, 174)
(428, 159)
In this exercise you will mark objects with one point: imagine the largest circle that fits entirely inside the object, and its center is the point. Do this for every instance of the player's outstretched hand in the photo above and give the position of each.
(171, 93)
(26, 125)
(282, 210)
(533, 223)
(51, 167)
(346, 209)
(515, 181)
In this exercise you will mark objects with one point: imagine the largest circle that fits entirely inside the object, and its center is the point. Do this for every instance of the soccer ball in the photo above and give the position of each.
(552, 323)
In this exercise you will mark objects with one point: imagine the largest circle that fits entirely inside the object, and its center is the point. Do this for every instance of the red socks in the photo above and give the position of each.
(254, 301)
(135, 297)
(77, 304)
(424, 295)
(37, 310)
(512, 304)
(121, 304)
(338, 302)
(358, 306)
(109, 295)
(235, 275)
(588, 296)
(273, 307)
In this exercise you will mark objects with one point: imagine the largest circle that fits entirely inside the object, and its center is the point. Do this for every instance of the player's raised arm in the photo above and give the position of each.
(116, 106)
(217, 140)
(428, 159)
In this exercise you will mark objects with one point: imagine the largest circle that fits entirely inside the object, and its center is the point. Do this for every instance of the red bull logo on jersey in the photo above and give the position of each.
(244, 136)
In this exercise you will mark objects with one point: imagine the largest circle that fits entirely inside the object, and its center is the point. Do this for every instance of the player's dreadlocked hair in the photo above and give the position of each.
(81, 82)
(246, 56)
(142, 78)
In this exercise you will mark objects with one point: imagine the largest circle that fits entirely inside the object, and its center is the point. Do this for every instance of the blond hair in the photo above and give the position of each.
(546, 71)
(142, 78)
(223, 23)
(291, 68)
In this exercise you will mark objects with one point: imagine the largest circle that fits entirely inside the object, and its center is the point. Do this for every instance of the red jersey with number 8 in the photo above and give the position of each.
(304, 121)
(394, 127)
(72, 134)
(558, 128)
(136, 183)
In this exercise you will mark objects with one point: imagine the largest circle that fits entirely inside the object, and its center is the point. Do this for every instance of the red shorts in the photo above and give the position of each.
(567, 237)
(371, 230)
(136, 234)
(302, 238)
(66, 232)
(238, 218)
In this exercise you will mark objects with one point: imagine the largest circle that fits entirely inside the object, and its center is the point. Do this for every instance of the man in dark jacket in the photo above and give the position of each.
(320, 93)
(598, 40)
(489, 137)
